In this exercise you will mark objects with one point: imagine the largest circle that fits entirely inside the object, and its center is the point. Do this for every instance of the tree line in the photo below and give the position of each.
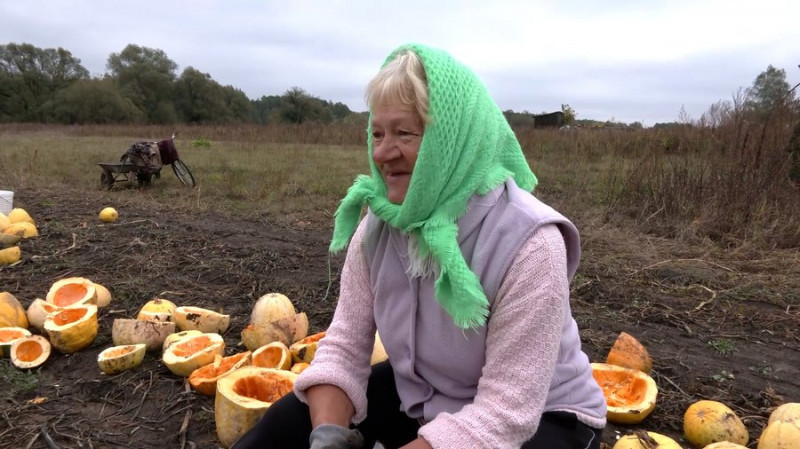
(141, 85)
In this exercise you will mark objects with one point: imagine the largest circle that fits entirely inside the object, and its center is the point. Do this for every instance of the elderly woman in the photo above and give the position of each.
(465, 275)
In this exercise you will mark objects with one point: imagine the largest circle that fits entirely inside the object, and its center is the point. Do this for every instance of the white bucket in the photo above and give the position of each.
(6, 201)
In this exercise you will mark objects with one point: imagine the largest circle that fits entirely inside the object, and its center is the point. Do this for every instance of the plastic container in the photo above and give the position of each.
(6, 201)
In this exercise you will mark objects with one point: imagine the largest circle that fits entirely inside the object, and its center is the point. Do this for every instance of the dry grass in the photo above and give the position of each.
(728, 184)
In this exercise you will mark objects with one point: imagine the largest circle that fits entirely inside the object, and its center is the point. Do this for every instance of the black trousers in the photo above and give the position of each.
(287, 423)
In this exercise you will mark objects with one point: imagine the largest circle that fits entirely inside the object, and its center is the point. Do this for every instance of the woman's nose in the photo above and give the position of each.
(385, 150)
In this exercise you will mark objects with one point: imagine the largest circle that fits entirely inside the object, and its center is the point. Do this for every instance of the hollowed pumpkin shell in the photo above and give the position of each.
(178, 336)
(630, 394)
(72, 291)
(286, 330)
(204, 379)
(30, 352)
(244, 395)
(12, 314)
(157, 310)
(780, 435)
(635, 442)
(627, 351)
(38, 311)
(8, 335)
(73, 328)
(198, 318)
(191, 353)
(305, 349)
(132, 332)
(273, 355)
(117, 359)
(707, 422)
(270, 308)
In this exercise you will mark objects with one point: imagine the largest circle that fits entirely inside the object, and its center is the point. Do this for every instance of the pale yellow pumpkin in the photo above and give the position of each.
(198, 318)
(72, 291)
(305, 349)
(12, 314)
(117, 359)
(646, 440)
(193, 352)
(30, 352)
(707, 422)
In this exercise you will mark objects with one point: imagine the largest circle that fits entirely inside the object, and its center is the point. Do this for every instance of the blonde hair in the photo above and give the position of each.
(401, 82)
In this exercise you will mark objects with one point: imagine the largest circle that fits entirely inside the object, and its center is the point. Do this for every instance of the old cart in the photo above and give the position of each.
(142, 161)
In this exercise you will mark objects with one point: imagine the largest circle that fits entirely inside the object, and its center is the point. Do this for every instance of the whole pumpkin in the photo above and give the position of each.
(707, 422)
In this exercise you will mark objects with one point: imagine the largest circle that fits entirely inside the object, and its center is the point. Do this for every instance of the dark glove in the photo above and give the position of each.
(331, 436)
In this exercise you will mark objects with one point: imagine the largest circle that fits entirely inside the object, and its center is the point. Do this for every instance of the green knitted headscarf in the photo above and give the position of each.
(468, 148)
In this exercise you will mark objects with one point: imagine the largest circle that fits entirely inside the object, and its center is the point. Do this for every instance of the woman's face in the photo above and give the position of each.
(396, 137)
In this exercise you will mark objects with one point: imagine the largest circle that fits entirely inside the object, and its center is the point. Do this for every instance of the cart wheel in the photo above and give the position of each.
(144, 179)
(183, 173)
(106, 180)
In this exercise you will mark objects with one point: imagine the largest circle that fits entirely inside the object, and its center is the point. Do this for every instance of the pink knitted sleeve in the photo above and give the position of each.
(522, 345)
(342, 358)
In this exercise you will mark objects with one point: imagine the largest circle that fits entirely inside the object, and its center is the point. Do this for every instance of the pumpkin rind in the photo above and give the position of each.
(789, 411)
(10, 255)
(286, 330)
(72, 328)
(12, 314)
(157, 310)
(191, 353)
(305, 349)
(271, 307)
(630, 394)
(244, 395)
(780, 435)
(725, 445)
(204, 379)
(627, 351)
(27, 230)
(38, 311)
(30, 352)
(152, 334)
(103, 295)
(707, 422)
(117, 359)
(8, 335)
(273, 355)
(72, 292)
(198, 318)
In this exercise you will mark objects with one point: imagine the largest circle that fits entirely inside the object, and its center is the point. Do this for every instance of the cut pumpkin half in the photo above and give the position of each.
(73, 328)
(204, 379)
(198, 318)
(273, 355)
(8, 335)
(72, 291)
(193, 352)
(244, 395)
(117, 359)
(630, 394)
(305, 349)
(30, 352)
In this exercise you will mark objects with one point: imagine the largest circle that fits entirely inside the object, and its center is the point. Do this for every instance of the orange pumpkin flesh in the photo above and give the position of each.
(204, 379)
(69, 294)
(28, 351)
(630, 394)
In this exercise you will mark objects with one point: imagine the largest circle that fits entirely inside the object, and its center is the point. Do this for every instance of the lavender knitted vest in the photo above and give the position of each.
(436, 364)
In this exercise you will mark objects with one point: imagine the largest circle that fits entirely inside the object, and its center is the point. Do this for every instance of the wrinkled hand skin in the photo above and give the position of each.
(331, 436)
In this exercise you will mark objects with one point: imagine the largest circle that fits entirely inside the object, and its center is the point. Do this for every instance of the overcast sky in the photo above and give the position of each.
(616, 59)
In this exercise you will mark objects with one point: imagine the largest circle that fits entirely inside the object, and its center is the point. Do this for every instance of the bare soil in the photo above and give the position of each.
(722, 325)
